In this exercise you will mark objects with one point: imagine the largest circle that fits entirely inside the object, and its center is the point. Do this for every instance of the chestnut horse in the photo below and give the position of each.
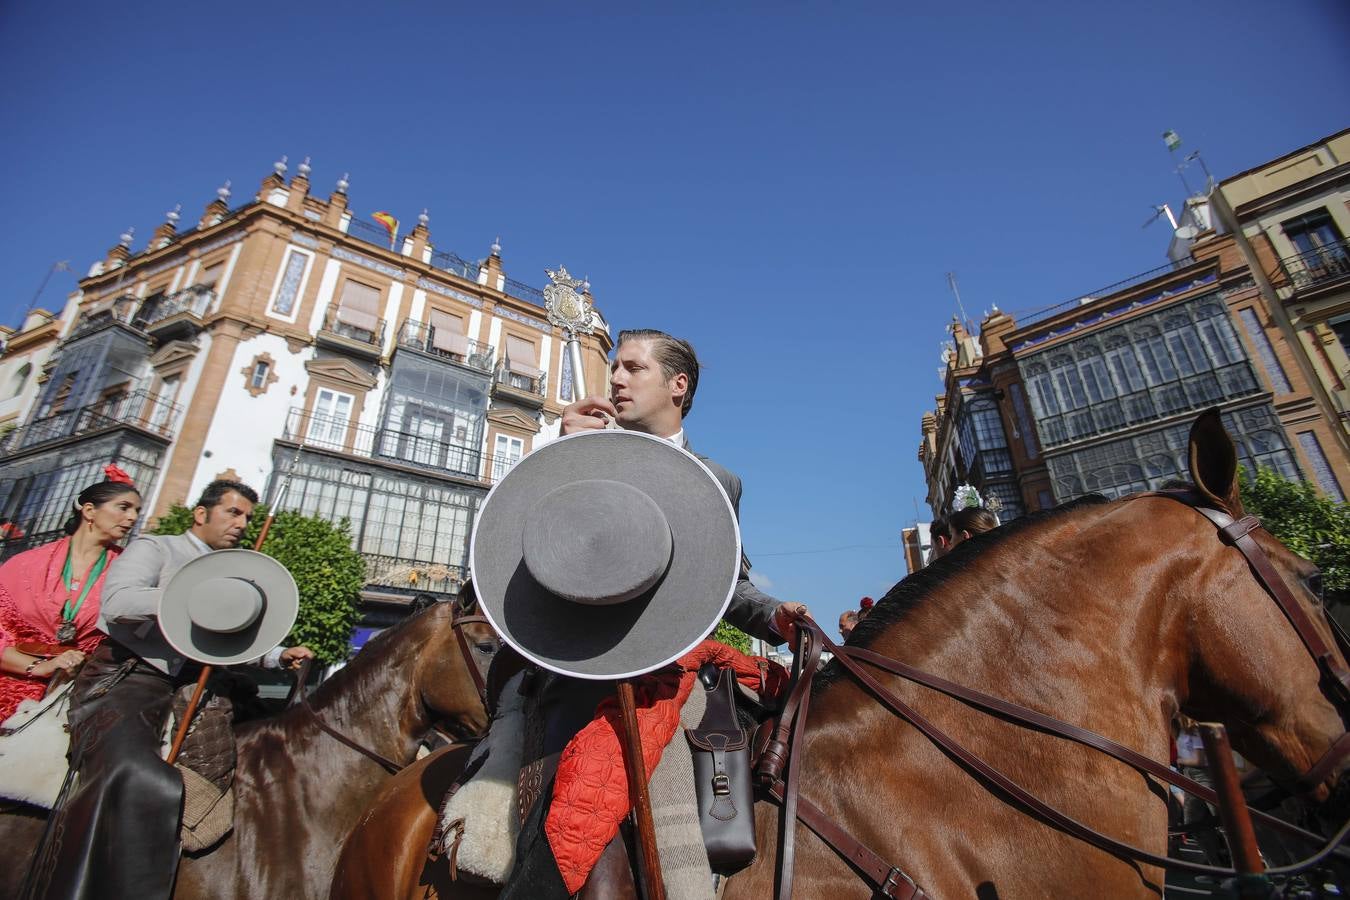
(1114, 616)
(298, 790)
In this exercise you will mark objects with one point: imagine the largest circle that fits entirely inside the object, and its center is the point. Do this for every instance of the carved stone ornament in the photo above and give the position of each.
(568, 309)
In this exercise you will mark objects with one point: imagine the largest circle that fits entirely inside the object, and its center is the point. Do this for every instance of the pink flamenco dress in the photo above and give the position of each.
(35, 602)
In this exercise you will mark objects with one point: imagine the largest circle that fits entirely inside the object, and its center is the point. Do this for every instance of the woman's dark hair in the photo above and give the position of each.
(973, 519)
(97, 494)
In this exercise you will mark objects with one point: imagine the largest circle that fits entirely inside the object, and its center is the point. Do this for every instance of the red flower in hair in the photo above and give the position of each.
(867, 603)
(112, 473)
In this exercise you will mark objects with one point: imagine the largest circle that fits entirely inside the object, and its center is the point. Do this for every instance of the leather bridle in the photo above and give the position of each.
(779, 764)
(393, 768)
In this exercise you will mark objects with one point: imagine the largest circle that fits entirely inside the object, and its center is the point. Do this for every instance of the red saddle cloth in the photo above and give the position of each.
(590, 794)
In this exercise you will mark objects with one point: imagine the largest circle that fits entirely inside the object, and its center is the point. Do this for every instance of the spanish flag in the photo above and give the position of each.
(389, 222)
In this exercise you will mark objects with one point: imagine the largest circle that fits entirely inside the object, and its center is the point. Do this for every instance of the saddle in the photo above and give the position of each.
(35, 739)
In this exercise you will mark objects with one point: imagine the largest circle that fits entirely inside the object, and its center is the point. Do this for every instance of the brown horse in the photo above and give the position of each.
(298, 790)
(1112, 616)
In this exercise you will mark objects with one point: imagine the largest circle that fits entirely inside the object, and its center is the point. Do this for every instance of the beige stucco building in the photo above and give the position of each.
(1291, 218)
(285, 337)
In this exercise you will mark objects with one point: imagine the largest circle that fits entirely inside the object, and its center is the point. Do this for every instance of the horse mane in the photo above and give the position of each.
(915, 589)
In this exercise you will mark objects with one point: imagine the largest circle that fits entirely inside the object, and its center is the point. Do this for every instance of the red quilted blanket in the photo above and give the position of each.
(590, 795)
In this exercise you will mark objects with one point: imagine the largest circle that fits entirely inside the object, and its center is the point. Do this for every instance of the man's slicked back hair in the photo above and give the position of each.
(675, 356)
(210, 497)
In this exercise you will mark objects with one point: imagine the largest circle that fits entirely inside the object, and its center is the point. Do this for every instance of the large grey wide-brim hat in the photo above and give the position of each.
(605, 554)
(228, 606)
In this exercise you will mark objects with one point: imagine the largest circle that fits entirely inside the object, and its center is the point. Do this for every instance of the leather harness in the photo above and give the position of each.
(393, 768)
(784, 747)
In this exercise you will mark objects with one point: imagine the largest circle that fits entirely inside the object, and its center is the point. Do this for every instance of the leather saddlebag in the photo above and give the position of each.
(722, 776)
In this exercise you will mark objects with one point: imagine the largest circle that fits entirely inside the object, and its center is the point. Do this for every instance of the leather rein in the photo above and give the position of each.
(784, 748)
(387, 764)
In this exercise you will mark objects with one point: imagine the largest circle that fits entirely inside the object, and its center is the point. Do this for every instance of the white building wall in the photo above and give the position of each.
(242, 431)
(327, 285)
(186, 391)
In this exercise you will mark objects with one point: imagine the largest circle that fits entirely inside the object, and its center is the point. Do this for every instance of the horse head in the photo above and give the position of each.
(452, 668)
(1251, 663)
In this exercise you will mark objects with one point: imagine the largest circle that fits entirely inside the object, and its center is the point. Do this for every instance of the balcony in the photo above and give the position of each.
(455, 265)
(136, 409)
(412, 574)
(175, 315)
(364, 231)
(1327, 265)
(351, 331)
(520, 383)
(421, 452)
(446, 345)
(104, 314)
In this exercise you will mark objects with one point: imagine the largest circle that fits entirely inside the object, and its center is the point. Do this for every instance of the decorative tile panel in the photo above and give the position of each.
(429, 285)
(374, 264)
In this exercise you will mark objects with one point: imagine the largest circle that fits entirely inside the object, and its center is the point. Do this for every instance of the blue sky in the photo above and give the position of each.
(784, 184)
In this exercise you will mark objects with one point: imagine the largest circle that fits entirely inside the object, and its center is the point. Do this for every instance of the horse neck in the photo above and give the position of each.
(376, 698)
(1050, 618)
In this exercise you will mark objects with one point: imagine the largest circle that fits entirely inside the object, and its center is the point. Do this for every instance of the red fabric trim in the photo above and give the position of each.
(590, 793)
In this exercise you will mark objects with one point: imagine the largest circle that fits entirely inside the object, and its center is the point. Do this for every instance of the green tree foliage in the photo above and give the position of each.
(1313, 526)
(732, 636)
(319, 556)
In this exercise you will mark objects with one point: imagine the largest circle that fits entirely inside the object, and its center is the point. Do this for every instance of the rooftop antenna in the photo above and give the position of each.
(951, 282)
(1158, 212)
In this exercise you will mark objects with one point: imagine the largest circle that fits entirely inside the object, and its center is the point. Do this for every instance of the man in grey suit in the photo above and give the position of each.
(652, 382)
(118, 831)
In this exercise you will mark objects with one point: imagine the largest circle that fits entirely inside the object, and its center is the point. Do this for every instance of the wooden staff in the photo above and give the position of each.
(195, 701)
(1237, 823)
(649, 860)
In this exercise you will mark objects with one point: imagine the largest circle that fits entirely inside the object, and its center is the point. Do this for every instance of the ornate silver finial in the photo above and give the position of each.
(586, 284)
(343, 183)
(566, 308)
(303, 169)
(423, 219)
(280, 166)
(173, 215)
(124, 239)
(223, 192)
(497, 246)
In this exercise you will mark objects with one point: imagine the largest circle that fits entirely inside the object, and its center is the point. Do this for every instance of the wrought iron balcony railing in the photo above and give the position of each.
(354, 325)
(421, 451)
(370, 234)
(195, 301)
(1330, 262)
(446, 344)
(413, 574)
(455, 265)
(522, 291)
(525, 379)
(137, 408)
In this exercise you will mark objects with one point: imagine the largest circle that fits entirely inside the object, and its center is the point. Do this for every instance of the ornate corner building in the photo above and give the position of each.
(388, 383)
(1097, 394)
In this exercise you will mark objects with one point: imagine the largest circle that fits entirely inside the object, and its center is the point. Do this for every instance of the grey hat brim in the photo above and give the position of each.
(625, 639)
(281, 606)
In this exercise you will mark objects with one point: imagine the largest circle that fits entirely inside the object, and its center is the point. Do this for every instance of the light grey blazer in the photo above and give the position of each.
(751, 609)
(129, 609)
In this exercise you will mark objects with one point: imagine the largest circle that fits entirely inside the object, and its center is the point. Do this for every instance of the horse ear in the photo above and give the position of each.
(467, 599)
(1214, 462)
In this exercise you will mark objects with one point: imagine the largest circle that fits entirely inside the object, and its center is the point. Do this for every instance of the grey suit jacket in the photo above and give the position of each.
(751, 609)
(129, 609)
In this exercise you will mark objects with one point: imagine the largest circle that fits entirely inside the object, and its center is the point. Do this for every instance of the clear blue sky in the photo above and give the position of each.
(783, 183)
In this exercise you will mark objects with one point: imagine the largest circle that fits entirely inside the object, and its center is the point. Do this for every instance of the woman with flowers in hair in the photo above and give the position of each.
(49, 596)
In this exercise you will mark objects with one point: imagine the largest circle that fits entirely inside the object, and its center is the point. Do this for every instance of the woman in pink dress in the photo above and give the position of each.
(49, 596)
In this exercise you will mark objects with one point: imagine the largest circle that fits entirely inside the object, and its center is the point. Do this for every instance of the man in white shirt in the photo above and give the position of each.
(118, 834)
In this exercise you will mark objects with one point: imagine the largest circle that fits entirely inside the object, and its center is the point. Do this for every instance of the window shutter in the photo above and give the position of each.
(448, 333)
(360, 306)
(521, 354)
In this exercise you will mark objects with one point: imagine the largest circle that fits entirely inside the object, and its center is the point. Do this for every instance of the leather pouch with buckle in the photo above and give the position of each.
(722, 776)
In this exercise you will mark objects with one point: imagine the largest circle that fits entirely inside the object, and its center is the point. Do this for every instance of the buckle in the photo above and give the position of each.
(894, 878)
(721, 785)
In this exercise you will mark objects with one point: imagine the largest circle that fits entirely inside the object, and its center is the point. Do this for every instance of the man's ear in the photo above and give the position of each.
(679, 386)
(200, 515)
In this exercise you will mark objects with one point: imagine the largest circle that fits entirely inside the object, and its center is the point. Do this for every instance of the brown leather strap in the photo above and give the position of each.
(1022, 715)
(808, 652)
(391, 767)
(466, 651)
(885, 878)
